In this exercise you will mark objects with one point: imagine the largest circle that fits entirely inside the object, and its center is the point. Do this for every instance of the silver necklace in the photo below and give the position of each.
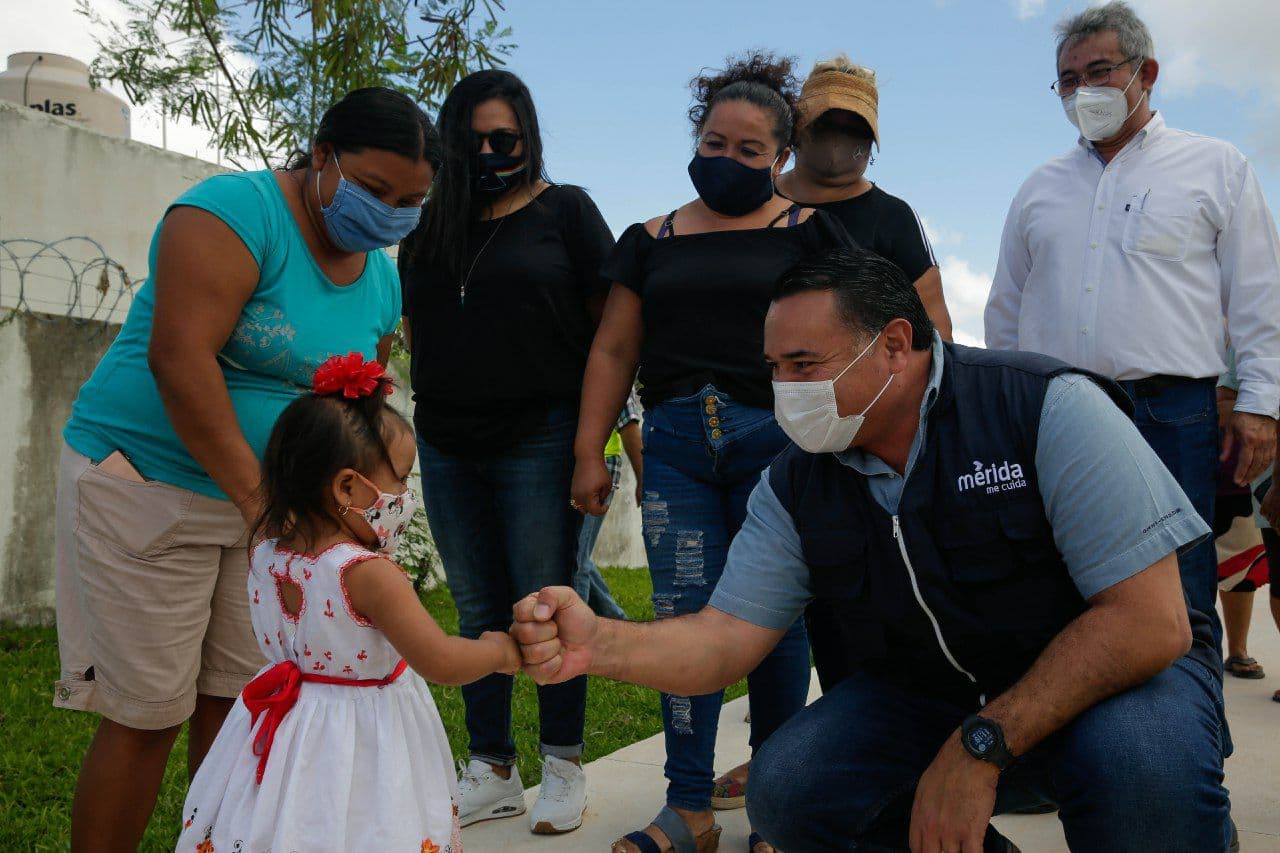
(462, 288)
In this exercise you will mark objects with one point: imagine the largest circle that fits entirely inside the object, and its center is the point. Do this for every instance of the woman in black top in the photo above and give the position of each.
(688, 305)
(838, 122)
(501, 285)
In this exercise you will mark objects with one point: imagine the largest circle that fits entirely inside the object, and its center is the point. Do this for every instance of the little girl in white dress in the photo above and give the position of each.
(337, 745)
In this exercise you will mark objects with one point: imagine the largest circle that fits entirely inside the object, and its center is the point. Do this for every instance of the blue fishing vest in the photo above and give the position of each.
(957, 595)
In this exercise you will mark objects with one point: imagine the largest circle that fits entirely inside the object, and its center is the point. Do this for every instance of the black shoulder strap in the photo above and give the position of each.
(791, 214)
(668, 228)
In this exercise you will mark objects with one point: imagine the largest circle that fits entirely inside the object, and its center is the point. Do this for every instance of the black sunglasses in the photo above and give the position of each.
(501, 141)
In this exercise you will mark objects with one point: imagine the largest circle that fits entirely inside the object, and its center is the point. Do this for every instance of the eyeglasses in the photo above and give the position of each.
(1095, 76)
(501, 141)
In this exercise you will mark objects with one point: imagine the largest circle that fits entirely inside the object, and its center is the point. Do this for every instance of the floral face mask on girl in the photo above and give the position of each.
(389, 516)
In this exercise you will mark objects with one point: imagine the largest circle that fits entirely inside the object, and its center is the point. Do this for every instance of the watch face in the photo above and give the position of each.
(981, 739)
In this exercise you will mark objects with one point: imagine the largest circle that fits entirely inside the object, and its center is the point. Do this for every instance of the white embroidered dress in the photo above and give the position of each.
(350, 768)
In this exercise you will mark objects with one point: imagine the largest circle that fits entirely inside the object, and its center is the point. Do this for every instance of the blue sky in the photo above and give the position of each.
(965, 108)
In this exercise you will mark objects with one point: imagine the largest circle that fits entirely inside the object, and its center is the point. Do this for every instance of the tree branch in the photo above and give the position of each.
(231, 80)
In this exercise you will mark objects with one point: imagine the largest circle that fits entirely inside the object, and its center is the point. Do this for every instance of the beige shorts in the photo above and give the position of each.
(152, 597)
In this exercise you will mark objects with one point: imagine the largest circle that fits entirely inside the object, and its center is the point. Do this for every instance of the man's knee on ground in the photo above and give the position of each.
(783, 773)
(1131, 757)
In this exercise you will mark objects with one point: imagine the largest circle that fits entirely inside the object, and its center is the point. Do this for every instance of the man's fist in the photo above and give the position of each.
(555, 630)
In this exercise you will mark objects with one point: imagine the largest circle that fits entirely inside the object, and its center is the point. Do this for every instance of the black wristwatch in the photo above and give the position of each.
(984, 740)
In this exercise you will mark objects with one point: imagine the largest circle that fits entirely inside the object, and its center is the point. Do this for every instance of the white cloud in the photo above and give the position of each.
(940, 235)
(1225, 44)
(1230, 45)
(965, 289)
(1027, 9)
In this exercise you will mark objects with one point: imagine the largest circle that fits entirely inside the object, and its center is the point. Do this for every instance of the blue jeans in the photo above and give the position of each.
(587, 580)
(504, 529)
(1181, 425)
(702, 457)
(1141, 771)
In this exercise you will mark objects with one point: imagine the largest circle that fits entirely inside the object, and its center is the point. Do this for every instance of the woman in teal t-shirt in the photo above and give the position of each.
(256, 279)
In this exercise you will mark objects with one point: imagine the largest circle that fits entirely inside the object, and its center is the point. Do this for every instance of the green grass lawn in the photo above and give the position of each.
(41, 747)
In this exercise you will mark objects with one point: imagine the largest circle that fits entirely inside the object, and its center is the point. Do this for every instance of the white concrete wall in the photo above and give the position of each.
(621, 542)
(59, 180)
(45, 360)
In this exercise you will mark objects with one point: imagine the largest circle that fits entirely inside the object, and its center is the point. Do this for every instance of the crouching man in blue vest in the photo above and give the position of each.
(1002, 546)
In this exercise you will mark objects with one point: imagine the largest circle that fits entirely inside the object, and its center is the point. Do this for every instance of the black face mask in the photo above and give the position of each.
(833, 153)
(491, 174)
(728, 187)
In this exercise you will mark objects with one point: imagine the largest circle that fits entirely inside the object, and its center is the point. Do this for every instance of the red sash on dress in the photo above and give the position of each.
(276, 690)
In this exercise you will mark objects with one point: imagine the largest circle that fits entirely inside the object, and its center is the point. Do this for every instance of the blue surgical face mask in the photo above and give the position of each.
(358, 222)
(728, 187)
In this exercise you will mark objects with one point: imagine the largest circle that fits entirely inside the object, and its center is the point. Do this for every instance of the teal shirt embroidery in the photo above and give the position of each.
(295, 320)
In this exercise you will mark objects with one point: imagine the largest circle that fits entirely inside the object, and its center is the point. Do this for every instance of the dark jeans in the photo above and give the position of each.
(504, 529)
(1141, 771)
(1181, 425)
(701, 461)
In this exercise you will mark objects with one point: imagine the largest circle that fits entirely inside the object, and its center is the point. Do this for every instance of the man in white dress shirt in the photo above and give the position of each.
(1135, 255)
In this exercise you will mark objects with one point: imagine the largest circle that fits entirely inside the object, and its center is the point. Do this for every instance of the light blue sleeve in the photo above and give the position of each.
(765, 580)
(390, 280)
(1114, 506)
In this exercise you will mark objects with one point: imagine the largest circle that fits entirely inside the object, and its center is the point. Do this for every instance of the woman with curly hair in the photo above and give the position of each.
(687, 308)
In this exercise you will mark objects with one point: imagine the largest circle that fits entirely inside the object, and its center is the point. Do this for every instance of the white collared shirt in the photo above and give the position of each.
(1141, 266)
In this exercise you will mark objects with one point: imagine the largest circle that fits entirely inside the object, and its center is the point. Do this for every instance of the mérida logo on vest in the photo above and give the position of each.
(996, 477)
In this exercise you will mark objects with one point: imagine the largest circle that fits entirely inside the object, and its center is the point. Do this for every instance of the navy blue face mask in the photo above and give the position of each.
(728, 187)
(358, 222)
(492, 173)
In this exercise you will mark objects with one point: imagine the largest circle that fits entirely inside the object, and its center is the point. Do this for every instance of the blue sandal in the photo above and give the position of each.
(677, 832)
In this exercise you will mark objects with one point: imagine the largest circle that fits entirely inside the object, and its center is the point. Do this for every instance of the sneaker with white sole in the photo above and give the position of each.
(484, 795)
(561, 799)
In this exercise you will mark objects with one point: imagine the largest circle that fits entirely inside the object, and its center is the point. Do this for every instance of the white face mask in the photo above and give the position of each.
(389, 516)
(1098, 112)
(808, 413)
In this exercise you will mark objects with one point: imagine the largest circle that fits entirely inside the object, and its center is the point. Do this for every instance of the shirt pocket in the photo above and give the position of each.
(1001, 563)
(1159, 227)
(837, 561)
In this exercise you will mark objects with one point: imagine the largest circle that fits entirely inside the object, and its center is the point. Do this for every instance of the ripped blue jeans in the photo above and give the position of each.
(703, 455)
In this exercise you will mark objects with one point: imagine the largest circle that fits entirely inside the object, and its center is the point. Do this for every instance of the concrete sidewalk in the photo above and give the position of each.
(625, 788)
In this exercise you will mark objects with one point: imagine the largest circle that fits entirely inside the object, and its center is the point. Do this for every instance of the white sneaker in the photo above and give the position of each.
(561, 799)
(484, 795)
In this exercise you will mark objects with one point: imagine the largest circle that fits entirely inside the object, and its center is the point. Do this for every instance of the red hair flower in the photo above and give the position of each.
(349, 375)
